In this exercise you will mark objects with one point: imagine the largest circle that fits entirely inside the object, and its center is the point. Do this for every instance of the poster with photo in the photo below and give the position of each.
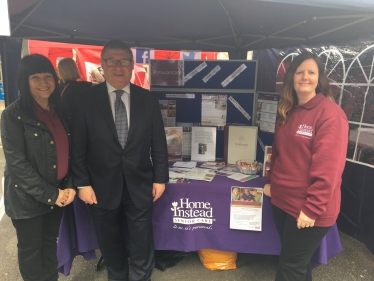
(174, 140)
(203, 144)
(168, 112)
(246, 208)
(187, 134)
(167, 72)
(267, 104)
(213, 110)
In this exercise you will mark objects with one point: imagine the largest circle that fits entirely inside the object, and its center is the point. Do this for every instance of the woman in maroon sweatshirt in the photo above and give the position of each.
(308, 158)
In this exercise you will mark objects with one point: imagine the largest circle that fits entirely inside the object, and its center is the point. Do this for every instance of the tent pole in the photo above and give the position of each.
(4, 69)
(10, 58)
(26, 17)
(341, 27)
(238, 39)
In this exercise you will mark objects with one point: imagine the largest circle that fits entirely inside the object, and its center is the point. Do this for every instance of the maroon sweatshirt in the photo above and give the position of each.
(308, 158)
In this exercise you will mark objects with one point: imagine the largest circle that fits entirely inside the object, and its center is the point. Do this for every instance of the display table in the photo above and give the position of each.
(175, 229)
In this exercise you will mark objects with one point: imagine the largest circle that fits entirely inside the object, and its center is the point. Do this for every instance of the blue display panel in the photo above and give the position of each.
(186, 82)
(198, 74)
(188, 110)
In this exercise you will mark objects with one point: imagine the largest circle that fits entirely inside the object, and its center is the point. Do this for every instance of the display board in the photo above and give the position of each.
(198, 74)
(187, 82)
(188, 106)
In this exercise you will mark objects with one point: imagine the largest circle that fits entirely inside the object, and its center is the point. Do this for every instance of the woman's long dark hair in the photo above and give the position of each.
(30, 65)
(288, 94)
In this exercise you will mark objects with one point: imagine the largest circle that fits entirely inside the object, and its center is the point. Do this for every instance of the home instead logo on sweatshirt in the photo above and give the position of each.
(189, 213)
(304, 131)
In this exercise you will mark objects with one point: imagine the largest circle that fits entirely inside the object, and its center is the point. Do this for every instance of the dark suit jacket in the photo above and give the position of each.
(69, 95)
(98, 158)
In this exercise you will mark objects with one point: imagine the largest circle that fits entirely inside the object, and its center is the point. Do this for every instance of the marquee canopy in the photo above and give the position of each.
(213, 25)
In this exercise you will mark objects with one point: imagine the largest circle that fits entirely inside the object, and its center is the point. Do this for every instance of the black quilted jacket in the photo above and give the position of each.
(30, 174)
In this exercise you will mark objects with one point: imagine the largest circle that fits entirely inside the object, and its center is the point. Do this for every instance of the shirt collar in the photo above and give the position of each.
(38, 110)
(316, 100)
(112, 89)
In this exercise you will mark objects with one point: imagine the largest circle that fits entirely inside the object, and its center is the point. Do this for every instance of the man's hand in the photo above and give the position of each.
(87, 195)
(158, 189)
(62, 198)
(70, 192)
(267, 190)
(304, 221)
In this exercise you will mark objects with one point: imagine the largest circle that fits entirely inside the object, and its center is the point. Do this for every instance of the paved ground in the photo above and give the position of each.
(353, 264)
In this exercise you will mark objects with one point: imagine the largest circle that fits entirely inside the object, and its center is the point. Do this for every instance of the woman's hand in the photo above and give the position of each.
(304, 221)
(71, 194)
(62, 198)
(267, 189)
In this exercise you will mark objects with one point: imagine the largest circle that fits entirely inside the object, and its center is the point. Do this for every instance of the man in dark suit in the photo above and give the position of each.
(120, 163)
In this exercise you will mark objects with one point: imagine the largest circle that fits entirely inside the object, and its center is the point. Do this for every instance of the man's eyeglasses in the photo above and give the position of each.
(123, 62)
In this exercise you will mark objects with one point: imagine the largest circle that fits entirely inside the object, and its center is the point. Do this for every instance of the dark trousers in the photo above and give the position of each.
(37, 245)
(298, 247)
(109, 226)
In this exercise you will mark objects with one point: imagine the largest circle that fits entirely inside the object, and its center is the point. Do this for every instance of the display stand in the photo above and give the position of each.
(187, 81)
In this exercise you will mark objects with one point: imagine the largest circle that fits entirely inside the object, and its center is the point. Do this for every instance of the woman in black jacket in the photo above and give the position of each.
(37, 183)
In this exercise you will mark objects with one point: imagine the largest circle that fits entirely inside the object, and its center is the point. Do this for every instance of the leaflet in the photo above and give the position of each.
(201, 174)
(213, 110)
(246, 208)
(190, 164)
(242, 177)
(203, 144)
(168, 112)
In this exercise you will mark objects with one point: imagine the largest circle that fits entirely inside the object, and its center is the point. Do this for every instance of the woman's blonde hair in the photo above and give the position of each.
(288, 97)
(68, 70)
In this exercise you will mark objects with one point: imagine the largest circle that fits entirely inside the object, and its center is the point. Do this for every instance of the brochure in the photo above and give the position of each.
(213, 110)
(213, 165)
(242, 177)
(267, 104)
(201, 174)
(246, 208)
(228, 170)
(267, 160)
(178, 172)
(240, 142)
(187, 132)
(203, 143)
(190, 164)
(179, 180)
(168, 112)
(174, 140)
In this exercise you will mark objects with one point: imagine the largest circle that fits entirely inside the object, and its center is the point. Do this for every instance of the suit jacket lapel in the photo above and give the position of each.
(104, 106)
(135, 110)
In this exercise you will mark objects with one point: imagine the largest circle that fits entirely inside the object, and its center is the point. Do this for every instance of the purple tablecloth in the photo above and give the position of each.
(208, 206)
(77, 236)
